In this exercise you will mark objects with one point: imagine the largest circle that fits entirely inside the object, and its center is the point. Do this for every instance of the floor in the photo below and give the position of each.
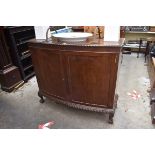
(21, 109)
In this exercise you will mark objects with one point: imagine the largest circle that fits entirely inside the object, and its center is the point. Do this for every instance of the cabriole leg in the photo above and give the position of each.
(111, 115)
(41, 98)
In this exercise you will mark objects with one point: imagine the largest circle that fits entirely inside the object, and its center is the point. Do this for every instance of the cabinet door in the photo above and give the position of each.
(92, 78)
(49, 72)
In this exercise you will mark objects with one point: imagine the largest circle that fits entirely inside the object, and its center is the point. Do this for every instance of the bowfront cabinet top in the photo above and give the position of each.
(92, 42)
(9, 74)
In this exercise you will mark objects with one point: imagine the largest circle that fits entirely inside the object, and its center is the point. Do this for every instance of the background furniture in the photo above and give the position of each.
(151, 71)
(122, 31)
(136, 38)
(9, 74)
(77, 28)
(137, 28)
(137, 32)
(152, 82)
(95, 30)
(55, 28)
(143, 47)
(17, 38)
(136, 35)
(152, 28)
(152, 103)
(90, 29)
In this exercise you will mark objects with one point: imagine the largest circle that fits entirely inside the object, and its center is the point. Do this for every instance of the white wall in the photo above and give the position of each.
(40, 32)
(111, 33)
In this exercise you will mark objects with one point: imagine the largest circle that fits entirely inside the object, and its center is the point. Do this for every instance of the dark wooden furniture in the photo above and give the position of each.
(80, 75)
(151, 71)
(17, 38)
(151, 66)
(140, 46)
(122, 31)
(55, 28)
(152, 103)
(143, 47)
(137, 28)
(152, 28)
(9, 74)
(78, 28)
(136, 35)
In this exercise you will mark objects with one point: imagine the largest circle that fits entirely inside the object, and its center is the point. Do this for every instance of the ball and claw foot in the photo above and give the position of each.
(41, 98)
(111, 115)
(116, 106)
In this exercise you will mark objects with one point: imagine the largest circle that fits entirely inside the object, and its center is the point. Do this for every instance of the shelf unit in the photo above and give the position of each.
(18, 38)
(135, 36)
(9, 74)
(141, 32)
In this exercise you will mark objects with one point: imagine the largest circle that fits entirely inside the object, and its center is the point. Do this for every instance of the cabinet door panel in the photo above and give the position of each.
(89, 78)
(49, 72)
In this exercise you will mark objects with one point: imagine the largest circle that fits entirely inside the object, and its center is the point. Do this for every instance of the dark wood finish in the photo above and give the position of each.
(144, 49)
(79, 75)
(153, 113)
(152, 28)
(9, 74)
(87, 73)
(17, 38)
(122, 31)
(78, 28)
(152, 102)
(151, 71)
(50, 71)
(41, 97)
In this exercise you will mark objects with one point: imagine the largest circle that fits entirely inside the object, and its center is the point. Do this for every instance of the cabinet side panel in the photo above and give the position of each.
(114, 61)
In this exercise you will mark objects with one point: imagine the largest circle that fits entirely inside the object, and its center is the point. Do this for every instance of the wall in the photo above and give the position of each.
(40, 32)
(111, 33)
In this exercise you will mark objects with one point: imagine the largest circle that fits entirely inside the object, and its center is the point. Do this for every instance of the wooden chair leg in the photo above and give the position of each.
(147, 50)
(140, 44)
(145, 57)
